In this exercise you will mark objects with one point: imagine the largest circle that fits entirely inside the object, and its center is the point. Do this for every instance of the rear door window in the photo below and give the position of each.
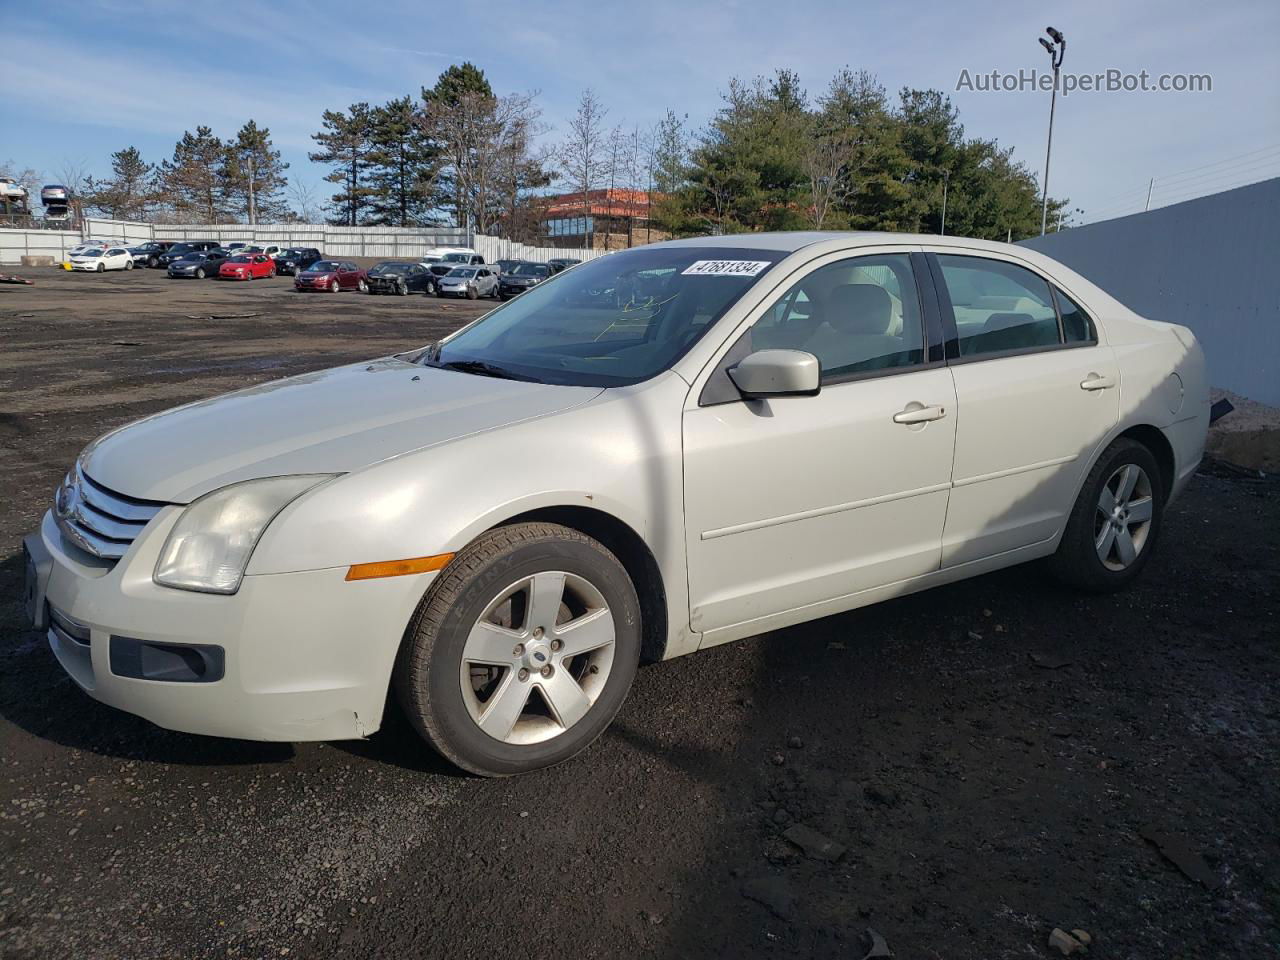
(999, 307)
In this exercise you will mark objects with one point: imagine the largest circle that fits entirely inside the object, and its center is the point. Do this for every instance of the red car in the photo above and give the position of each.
(331, 275)
(247, 268)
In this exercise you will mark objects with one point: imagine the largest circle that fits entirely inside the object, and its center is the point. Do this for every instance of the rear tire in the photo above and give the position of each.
(363, 286)
(1115, 523)
(528, 701)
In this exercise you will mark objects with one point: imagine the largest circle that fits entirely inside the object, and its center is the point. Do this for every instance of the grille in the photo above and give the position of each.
(97, 520)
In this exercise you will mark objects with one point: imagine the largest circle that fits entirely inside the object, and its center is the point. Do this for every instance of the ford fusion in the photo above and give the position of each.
(652, 453)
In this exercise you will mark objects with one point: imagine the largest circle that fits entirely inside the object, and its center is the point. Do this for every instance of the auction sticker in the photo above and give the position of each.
(725, 268)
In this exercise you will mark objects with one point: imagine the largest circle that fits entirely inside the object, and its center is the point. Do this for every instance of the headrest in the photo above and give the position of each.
(1003, 321)
(859, 308)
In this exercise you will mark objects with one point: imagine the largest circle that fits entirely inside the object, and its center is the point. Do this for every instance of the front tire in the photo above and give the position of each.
(102, 268)
(335, 287)
(1113, 527)
(523, 650)
(128, 264)
(200, 273)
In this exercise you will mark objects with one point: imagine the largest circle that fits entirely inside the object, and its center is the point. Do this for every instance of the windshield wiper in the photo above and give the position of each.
(481, 368)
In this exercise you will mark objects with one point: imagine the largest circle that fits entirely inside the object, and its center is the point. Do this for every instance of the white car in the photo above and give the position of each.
(80, 248)
(99, 260)
(11, 189)
(655, 452)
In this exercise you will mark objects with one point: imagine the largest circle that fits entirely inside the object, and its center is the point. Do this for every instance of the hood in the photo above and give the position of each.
(330, 421)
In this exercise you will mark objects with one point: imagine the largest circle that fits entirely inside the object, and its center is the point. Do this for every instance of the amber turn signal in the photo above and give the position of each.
(397, 568)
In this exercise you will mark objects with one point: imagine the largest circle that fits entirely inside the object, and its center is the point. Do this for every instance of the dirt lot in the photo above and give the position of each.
(992, 755)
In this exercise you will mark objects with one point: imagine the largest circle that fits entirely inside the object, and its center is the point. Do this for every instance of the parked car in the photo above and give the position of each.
(562, 263)
(149, 253)
(208, 263)
(80, 248)
(297, 258)
(99, 260)
(436, 254)
(469, 282)
(12, 190)
(247, 267)
(395, 276)
(180, 250)
(800, 424)
(331, 275)
(236, 246)
(521, 277)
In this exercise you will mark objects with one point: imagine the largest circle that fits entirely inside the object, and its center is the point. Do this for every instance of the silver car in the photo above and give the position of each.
(469, 282)
(655, 452)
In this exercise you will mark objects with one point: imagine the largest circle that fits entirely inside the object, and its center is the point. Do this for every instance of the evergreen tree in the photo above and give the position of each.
(345, 145)
(130, 191)
(255, 174)
(194, 181)
(403, 165)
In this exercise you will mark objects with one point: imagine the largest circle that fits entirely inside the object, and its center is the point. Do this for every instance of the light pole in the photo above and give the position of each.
(946, 182)
(1057, 46)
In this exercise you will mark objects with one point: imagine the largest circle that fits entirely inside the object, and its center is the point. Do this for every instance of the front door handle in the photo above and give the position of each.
(1097, 382)
(915, 413)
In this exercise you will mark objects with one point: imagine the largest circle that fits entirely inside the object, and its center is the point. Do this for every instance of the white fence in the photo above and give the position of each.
(16, 244)
(379, 242)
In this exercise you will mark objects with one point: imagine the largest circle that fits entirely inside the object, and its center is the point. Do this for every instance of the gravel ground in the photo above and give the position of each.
(997, 758)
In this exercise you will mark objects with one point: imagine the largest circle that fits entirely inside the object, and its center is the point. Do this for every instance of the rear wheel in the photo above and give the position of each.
(523, 650)
(152, 262)
(1113, 526)
(363, 286)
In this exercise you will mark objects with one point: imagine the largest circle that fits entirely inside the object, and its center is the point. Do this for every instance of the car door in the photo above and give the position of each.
(349, 278)
(116, 258)
(796, 505)
(1036, 391)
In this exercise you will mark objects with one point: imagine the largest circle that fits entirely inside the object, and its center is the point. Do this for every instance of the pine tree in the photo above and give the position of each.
(403, 165)
(255, 174)
(346, 145)
(130, 191)
(194, 180)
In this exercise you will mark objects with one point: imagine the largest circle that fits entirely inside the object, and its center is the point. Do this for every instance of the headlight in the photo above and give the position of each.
(209, 547)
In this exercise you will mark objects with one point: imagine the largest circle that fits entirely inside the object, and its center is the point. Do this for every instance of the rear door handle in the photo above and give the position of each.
(1096, 382)
(918, 414)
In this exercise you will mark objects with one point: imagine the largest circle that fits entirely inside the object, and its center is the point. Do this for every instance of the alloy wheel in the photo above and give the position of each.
(538, 657)
(1122, 522)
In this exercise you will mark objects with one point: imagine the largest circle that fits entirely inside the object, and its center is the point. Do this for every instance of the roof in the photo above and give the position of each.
(612, 202)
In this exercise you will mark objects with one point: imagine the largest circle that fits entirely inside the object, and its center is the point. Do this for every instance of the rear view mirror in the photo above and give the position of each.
(777, 373)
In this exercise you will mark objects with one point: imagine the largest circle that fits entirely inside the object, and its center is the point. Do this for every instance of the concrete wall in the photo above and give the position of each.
(1212, 264)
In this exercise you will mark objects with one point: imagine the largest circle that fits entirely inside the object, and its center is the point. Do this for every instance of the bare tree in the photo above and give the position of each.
(581, 153)
(826, 163)
(486, 144)
(305, 202)
(74, 175)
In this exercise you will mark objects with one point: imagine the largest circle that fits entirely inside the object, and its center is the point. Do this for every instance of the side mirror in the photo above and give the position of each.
(777, 373)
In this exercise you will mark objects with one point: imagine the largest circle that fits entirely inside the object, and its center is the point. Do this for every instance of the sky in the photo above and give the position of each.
(101, 74)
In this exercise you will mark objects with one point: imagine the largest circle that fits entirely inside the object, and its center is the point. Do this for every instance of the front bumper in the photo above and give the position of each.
(301, 656)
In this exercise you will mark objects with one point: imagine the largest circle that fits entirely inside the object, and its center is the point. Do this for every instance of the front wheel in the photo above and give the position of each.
(128, 264)
(472, 293)
(102, 268)
(1111, 532)
(363, 286)
(200, 274)
(523, 650)
(152, 262)
(335, 287)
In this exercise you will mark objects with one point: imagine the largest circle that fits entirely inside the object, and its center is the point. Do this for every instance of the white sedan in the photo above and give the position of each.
(655, 452)
(99, 260)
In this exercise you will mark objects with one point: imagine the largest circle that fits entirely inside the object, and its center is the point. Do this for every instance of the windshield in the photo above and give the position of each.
(390, 267)
(457, 258)
(620, 319)
(241, 260)
(322, 266)
(461, 273)
(92, 253)
(192, 256)
(531, 270)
